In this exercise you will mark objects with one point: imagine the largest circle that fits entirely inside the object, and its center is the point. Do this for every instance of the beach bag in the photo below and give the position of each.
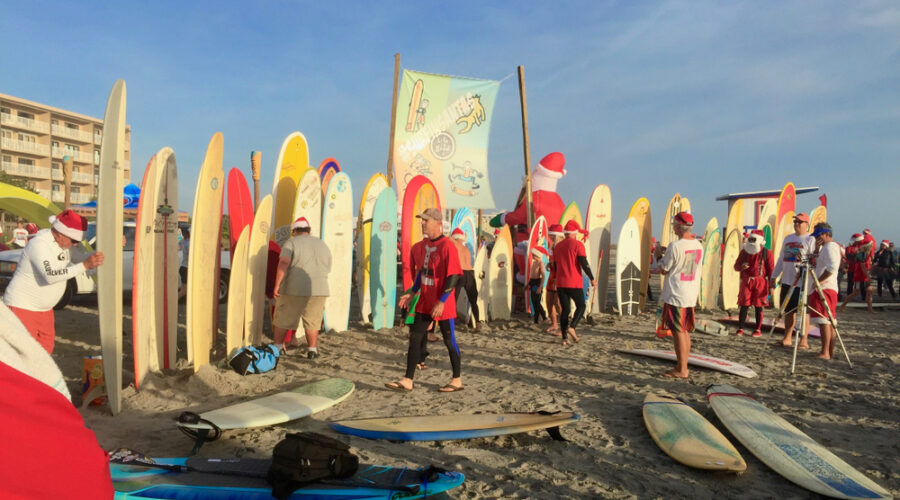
(303, 457)
(255, 359)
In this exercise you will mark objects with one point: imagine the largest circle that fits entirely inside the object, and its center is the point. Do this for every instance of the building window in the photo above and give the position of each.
(55, 144)
(27, 138)
(26, 161)
(55, 188)
(75, 190)
(96, 157)
(5, 110)
(54, 122)
(7, 159)
(71, 126)
(23, 114)
(6, 134)
(71, 149)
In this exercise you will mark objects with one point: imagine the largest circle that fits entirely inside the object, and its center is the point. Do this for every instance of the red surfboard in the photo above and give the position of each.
(240, 205)
(419, 195)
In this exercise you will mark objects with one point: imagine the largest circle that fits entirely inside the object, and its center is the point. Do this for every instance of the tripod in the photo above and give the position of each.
(802, 307)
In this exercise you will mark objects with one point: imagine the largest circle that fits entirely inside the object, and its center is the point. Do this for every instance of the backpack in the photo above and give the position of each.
(255, 359)
(304, 457)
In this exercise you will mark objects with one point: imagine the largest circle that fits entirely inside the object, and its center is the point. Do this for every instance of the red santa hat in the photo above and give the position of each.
(32, 228)
(573, 226)
(555, 230)
(684, 218)
(69, 224)
(885, 243)
(856, 238)
(552, 166)
(538, 251)
(867, 231)
(458, 234)
(300, 223)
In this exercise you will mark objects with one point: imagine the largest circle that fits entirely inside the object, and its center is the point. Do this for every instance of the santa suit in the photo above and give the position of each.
(754, 280)
(544, 199)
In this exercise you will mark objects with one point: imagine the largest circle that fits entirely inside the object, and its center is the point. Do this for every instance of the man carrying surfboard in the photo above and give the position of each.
(50, 259)
(795, 249)
(681, 266)
(571, 259)
(435, 265)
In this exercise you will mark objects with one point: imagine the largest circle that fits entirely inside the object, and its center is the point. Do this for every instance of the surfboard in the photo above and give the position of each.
(481, 271)
(308, 202)
(293, 161)
(27, 205)
(419, 195)
(237, 294)
(787, 202)
(640, 212)
(203, 268)
(731, 279)
(687, 437)
(257, 265)
(710, 327)
(735, 219)
(370, 193)
(383, 259)
(598, 223)
(697, 359)
(327, 170)
(685, 205)
(154, 287)
(465, 221)
(240, 206)
(767, 214)
(500, 276)
(667, 234)
(711, 270)
(817, 216)
(414, 101)
(109, 241)
(786, 228)
(337, 233)
(786, 449)
(248, 481)
(537, 238)
(278, 408)
(628, 268)
(441, 427)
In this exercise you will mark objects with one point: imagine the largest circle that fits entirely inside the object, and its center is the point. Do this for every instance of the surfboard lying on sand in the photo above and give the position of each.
(701, 360)
(445, 427)
(278, 408)
(786, 449)
(245, 478)
(687, 437)
(710, 327)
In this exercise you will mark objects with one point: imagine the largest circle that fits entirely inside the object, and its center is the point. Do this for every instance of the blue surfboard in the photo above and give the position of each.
(383, 259)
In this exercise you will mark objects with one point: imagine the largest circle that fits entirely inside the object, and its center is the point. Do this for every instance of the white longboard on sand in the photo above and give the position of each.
(237, 295)
(337, 233)
(628, 268)
(257, 259)
(701, 360)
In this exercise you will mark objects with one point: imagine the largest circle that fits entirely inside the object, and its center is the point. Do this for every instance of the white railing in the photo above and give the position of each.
(79, 156)
(6, 165)
(56, 174)
(26, 170)
(98, 139)
(75, 198)
(82, 178)
(27, 123)
(27, 147)
(76, 134)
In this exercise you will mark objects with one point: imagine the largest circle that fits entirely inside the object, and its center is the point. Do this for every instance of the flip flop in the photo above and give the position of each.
(450, 388)
(421, 366)
(395, 386)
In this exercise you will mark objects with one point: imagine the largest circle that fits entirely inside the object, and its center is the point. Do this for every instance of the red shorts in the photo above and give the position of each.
(675, 320)
(754, 292)
(817, 313)
(39, 324)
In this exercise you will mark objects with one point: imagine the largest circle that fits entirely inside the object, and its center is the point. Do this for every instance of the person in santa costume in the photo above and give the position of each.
(555, 233)
(544, 199)
(755, 263)
(860, 255)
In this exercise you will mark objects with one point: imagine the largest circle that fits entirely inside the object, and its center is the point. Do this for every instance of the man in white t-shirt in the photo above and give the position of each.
(797, 248)
(20, 235)
(828, 260)
(681, 266)
(50, 259)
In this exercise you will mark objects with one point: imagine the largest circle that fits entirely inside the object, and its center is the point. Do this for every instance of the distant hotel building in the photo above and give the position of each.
(36, 137)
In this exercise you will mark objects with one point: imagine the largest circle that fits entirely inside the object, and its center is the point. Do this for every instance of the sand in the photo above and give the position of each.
(514, 367)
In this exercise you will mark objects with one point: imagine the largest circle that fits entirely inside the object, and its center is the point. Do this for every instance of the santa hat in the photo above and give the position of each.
(867, 231)
(300, 223)
(551, 166)
(458, 234)
(684, 218)
(31, 227)
(496, 232)
(885, 243)
(555, 230)
(856, 238)
(538, 251)
(573, 226)
(758, 232)
(69, 224)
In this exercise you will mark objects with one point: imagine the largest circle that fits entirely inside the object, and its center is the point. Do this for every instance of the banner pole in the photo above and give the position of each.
(390, 163)
(524, 103)
(67, 180)
(255, 160)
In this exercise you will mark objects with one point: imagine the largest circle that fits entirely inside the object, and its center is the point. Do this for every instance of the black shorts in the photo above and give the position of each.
(794, 300)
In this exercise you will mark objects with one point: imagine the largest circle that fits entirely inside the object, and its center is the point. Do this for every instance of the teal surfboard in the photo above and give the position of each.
(465, 221)
(383, 259)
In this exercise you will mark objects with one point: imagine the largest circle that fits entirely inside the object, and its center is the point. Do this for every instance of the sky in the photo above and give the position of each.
(651, 98)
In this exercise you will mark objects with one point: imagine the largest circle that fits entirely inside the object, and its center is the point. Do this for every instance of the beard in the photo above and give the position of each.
(753, 248)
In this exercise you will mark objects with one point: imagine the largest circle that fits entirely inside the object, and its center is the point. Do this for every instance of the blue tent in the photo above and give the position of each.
(132, 194)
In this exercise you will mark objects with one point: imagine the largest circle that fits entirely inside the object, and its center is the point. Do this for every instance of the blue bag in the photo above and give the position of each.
(255, 359)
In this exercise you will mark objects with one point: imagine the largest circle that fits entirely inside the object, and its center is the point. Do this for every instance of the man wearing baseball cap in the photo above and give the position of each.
(797, 248)
(50, 259)
(681, 265)
(828, 260)
(301, 286)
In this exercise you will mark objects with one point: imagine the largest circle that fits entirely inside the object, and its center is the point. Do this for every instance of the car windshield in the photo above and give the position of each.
(127, 231)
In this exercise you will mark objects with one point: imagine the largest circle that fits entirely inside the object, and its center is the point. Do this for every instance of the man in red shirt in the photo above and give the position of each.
(556, 235)
(571, 259)
(435, 264)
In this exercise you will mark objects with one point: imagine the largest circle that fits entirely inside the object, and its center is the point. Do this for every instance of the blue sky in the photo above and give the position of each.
(702, 98)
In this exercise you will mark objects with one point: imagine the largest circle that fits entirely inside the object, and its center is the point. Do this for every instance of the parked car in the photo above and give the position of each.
(84, 284)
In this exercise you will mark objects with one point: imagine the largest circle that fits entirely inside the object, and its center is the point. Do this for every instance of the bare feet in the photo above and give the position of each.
(675, 374)
(572, 334)
(803, 345)
(432, 337)
(822, 355)
(552, 328)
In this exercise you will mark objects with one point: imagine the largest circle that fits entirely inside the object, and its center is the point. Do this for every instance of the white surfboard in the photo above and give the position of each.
(308, 202)
(257, 260)
(731, 279)
(337, 233)
(500, 276)
(237, 294)
(109, 241)
(599, 224)
(628, 268)
(695, 359)
(481, 269)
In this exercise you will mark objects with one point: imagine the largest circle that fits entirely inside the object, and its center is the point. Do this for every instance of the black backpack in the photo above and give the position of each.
(301, 458)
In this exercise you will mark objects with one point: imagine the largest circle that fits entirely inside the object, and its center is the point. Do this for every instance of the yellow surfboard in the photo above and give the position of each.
(818, 215)
(293, 161)
(27, 205)
(373, 188)
(735, 218)
(237, 294)
(257, 259)
(640, 212)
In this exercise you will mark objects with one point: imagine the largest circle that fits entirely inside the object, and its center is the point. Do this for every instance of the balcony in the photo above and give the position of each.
(79, 156)
(75, 198)
(25, 147)
(26, 170)
(69, 133)
(56, 174)
(97, 139)
(24, 123)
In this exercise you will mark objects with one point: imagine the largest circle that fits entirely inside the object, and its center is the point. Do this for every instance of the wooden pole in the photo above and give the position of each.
(67, 179)
(525, 146)
(390, 163)
(478, 229)
(255, 160)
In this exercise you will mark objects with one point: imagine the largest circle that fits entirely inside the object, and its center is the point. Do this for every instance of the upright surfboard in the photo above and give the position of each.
(465, 221)
(257, 261)
(419, 195)
(731, 279)
(711, 270)
(537, 238)
(817, 216)
(767, 215)
(308, 202)
(237, 294)
(363, 235)
(383, 259)
(735, 218)
(327, 169)
(481, 271)
(628, 268)
(687, 437)
(786, 449)
(337, 233)
(203, 260)
(667, 235)
(240, 206)
(787, 202)
(640, 212)
(598, 223)
(293, 161)
(109, 241)
(500, 276)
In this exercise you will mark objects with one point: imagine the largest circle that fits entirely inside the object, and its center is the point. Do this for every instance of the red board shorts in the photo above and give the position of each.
(40, 324)
(817, 314)
(675, 320)
(754, 292)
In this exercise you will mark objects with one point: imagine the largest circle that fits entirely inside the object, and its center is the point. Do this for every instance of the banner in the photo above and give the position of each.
(442, 129)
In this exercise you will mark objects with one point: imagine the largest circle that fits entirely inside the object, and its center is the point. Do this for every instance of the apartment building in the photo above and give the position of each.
(35, 137)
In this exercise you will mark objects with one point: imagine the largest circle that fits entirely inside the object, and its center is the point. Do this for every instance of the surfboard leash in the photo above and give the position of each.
(199, 436)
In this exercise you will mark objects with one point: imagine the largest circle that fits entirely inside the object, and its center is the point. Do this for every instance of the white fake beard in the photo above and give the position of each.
(753, 248)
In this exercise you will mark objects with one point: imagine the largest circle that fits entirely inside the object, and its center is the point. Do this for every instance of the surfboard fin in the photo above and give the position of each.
(555, 434)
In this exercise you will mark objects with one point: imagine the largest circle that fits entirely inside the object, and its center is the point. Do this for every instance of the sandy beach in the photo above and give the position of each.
(514, 367)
